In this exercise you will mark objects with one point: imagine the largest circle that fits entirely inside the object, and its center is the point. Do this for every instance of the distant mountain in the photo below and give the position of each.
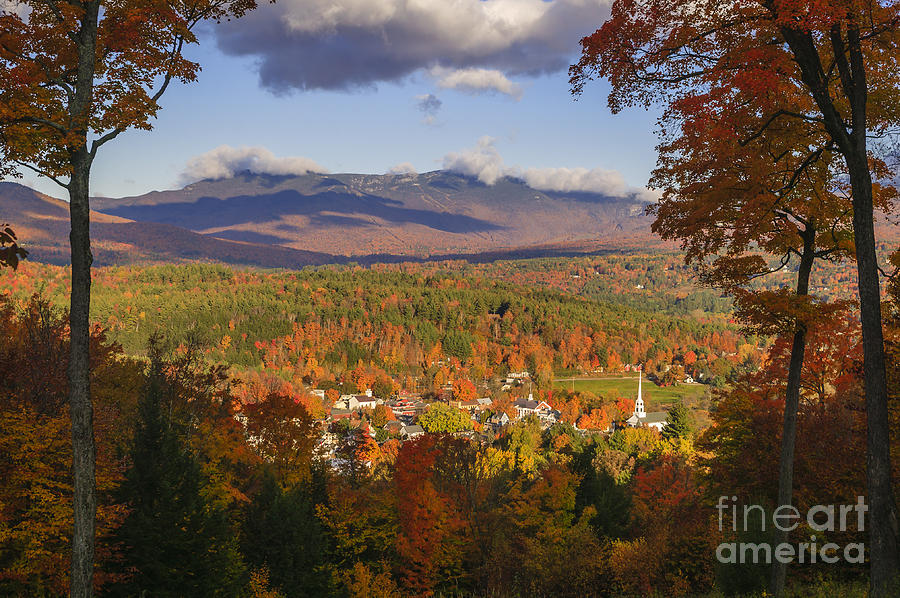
(294, 221)
(42, 226)
(438, 213)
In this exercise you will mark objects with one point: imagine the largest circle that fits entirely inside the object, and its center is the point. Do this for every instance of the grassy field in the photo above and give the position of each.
(627, 387)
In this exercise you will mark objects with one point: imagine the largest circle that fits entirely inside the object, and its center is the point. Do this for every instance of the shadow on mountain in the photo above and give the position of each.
(329, 182)
(325, 208)
(249, 236)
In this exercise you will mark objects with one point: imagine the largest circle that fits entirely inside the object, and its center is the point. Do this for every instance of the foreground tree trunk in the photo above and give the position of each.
(883, 532)
(847, 49)
(80, 409)
(57, 113)
(791, 409)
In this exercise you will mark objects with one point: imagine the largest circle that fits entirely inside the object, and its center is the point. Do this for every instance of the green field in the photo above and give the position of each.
(627, 387)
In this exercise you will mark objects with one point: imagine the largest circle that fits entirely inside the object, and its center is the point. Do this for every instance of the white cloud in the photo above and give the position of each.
(482, 161)
(342, 44)
(476, 80)
(485, 162)
(226, 161)
(596, 180)
(404, 168)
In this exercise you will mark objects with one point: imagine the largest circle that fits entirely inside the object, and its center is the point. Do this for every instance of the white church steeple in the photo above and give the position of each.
(639, 403)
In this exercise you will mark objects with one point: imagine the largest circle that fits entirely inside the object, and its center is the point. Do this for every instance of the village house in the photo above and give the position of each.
(407, 408)
(340, 413)
(473, 407)
(544, 412)
(355, 402)
(498, 420)
(393, 427)
(410, 432)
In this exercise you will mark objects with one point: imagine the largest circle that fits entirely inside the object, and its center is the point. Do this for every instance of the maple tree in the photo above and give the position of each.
(464, 390)
(283, 433)
(732, 189)
(819, 76)
(429, 540)
(830, 440)
(35, 478)
(74, 75)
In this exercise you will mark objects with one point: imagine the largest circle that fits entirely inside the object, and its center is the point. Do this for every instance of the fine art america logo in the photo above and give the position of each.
(820, 518)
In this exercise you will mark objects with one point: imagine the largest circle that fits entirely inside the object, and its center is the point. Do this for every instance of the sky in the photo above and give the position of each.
(376, 86)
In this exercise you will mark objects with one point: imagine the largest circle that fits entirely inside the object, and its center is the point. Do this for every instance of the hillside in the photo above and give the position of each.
(42, 225)
(436, 213)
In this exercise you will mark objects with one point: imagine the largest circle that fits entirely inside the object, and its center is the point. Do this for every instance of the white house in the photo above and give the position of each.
(542, 409)
(498, 420)
(366, 401)
(410, 432)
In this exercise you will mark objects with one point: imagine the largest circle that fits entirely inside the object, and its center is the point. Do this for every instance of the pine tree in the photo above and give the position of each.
(282, 534)
(174, 542)
(679, 425)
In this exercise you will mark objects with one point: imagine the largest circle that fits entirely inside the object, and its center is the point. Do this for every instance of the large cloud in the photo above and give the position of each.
(486, 164)
(342, 44)
(226, 161)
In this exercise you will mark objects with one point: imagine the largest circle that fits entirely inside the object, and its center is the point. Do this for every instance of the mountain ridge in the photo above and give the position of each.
(356, 215)
(295, 221)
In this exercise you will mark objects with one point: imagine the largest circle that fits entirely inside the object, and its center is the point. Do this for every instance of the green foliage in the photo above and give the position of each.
(174, 541)
(281, 533)
(442, 418)
(678, 425)
(391, 316)
(459, 345)
(600, 490)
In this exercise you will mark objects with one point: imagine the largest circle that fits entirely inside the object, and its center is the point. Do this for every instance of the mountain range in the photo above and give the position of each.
(291, 221)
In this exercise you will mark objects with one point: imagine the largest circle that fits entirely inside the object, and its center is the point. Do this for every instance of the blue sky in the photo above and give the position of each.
(319, 104)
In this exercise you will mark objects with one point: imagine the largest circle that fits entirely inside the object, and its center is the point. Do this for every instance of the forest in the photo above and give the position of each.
(420, 324)
(213, 476)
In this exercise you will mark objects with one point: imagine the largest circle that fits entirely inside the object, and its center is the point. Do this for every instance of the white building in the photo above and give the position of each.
(640, 418)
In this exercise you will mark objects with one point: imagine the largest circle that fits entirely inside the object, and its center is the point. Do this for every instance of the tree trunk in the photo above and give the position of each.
(80, 409)
(883, 524)
(883, 530)
(791, 408)
(847, 50)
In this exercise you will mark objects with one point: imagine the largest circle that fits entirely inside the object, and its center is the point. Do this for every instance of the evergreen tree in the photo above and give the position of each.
(679, 425)
(282, 534)
(174, 542)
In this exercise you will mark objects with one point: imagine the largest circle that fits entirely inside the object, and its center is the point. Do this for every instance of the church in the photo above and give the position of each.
(656, 419)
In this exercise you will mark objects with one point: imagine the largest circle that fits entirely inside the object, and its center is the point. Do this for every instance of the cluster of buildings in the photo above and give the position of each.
(406, 408)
